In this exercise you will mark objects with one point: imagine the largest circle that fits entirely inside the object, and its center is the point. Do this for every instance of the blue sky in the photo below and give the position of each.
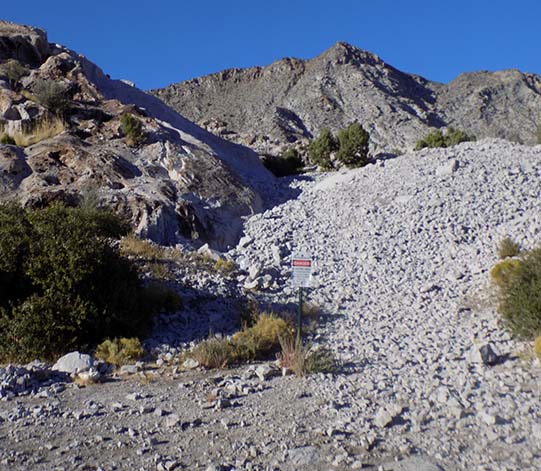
(155, 43)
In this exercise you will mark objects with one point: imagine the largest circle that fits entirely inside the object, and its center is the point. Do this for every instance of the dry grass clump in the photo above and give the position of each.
(508, 248)
(120, 351)
(226, 267)
(154, 257)
(133, 246)
(213, 353)
(261, 339)
(304, 360)
(43, 129)
(257, 342)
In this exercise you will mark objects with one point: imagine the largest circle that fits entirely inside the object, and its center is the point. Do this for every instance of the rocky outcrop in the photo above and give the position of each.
(182, 184)
(288, 102)
(23, 43)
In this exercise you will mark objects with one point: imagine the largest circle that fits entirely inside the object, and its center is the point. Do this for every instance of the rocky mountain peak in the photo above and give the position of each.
(344, 53)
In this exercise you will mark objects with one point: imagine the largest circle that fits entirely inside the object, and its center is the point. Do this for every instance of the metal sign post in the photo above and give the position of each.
(302, 275)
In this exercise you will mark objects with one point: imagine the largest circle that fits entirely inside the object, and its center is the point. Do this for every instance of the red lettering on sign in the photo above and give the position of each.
(302, 263)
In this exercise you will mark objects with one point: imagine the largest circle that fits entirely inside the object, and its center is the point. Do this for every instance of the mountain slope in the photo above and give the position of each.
(182, 184)
(290, 100)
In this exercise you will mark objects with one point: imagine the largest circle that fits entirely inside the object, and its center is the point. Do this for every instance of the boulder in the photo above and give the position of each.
(74, 362)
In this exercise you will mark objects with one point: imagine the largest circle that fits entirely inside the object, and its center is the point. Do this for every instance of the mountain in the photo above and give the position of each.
(288, 102)
(179, 184)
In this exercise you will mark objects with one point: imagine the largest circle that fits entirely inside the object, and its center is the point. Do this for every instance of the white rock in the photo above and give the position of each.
(190, 364)
(382, 418)
(73, 362)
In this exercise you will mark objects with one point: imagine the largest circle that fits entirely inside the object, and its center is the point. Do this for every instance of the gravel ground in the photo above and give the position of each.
(403, 249)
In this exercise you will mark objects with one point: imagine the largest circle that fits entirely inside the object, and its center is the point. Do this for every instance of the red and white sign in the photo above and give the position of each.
(301, 265)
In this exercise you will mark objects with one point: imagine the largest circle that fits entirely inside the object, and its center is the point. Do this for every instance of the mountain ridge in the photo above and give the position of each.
(269, 108)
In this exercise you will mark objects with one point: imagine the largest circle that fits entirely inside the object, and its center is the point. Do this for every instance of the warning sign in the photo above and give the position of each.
(301, 265)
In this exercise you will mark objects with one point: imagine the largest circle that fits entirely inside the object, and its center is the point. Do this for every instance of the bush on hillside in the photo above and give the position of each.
(520, 296)
(120, 351)
(13, 71)
(353, 146)
(456, 136)
(321, 148)
(52, 95)
(289, 163)
(63, 285)
(132, 128)
(438, 139)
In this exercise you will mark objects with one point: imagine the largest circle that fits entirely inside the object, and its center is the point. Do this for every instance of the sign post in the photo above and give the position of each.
(301, 265)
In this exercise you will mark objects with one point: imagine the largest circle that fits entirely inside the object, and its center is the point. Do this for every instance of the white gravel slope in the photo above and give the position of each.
(404, 248)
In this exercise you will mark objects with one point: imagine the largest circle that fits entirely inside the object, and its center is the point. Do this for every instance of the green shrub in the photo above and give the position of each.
(353, 146)
(132, 128)
(437, 139)
(431, 140)
(321, 148)
(14, 71)
(520, 296)
(63, 285)
(261, 339)
(504, 270)
(120, 351)
(213, 353)
(508, 248)
(7, 139)
(289, 163)
(52, 95)
(456, 136)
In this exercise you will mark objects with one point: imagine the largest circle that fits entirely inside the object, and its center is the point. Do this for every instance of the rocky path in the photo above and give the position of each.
(403, 250)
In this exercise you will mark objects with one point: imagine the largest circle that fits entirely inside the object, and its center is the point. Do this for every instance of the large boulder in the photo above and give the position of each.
(74, 362)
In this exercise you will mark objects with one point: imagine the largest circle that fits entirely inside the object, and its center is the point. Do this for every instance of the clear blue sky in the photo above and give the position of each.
(155, 43)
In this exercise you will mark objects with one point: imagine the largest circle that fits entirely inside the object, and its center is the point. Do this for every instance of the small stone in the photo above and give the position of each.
(158, 412)
(447, 168)
(135, 396)
(488, 355)
(129, 369)
(382, 418)
(146, 409)
(251, 284)
(190, 364)
(304, 456)
(172, 420)
(264, 372)
(244, 241)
